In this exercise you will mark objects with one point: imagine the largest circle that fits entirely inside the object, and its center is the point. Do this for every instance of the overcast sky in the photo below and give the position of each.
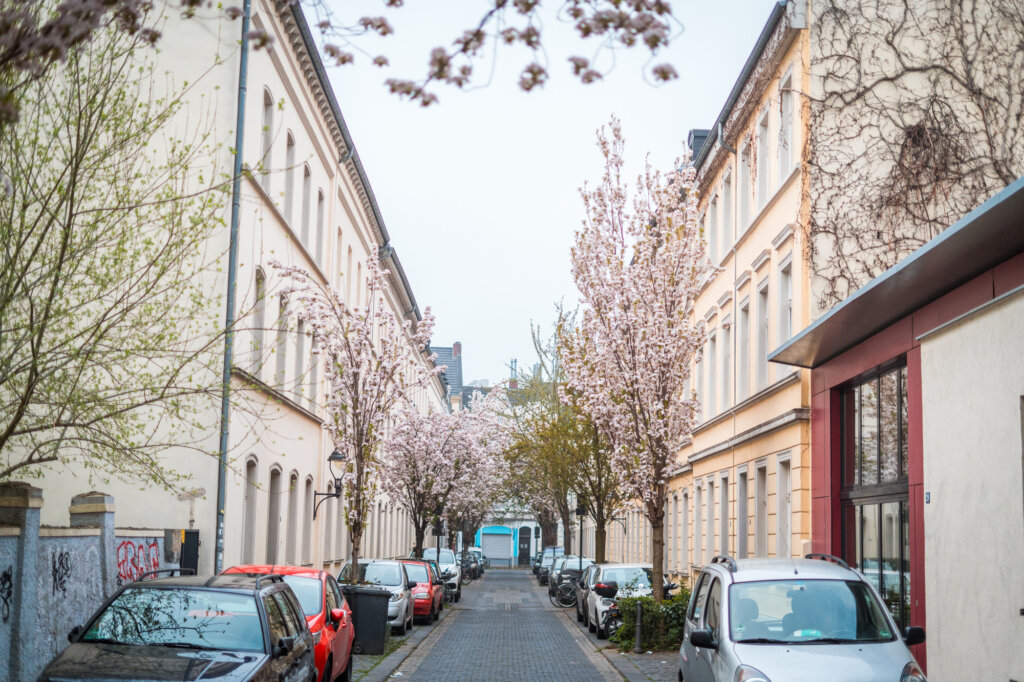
(480, 192)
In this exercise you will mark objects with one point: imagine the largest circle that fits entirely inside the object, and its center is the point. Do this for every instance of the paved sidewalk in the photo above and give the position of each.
(657, 666)
(505, 629)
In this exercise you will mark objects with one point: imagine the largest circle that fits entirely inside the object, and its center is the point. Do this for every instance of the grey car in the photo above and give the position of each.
(388, 575)
(792, 620)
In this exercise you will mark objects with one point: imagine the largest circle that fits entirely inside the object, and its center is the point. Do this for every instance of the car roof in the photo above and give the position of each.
(266, 569)
(754, 570)
(238, 582)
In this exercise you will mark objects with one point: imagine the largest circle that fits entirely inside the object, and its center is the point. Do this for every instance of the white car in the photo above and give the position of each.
(388, 575)
(634, 580)
(449, 563)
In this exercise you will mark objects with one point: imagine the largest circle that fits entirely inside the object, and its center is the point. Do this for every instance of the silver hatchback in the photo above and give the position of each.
(792, 620)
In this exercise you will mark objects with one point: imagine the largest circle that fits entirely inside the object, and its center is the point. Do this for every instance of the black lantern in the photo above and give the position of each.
(334, 457)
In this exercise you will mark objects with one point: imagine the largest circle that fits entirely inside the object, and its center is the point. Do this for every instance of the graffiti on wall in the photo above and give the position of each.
(61, 566)
(6, 590)
(135, 558)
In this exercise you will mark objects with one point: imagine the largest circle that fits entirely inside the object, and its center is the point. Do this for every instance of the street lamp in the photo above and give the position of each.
(334, 457)
(581, 511)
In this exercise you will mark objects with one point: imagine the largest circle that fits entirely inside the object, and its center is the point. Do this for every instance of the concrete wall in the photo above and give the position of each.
(973, 396)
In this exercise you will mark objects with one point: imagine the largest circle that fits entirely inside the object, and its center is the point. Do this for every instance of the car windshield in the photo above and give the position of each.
(310, 592)
(377, 573)
(806, 611)
(447, 555)
(203, 619)
(627, 577)
(417, 573)
(573, 562)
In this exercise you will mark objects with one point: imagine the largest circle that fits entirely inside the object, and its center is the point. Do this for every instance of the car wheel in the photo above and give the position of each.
(586, 617)
(579, 616)
(328, 669)
(590, 623)
(400, 629)
(458, 595)
(601, 632)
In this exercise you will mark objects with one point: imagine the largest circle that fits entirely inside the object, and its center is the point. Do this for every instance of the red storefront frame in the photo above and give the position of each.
(897, 340)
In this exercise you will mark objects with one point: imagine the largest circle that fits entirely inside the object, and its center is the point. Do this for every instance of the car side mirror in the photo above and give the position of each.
(411, 584)
(75, 633)
(703, 639)
(284, 646)
(607, 589)
(671, 586)
(913, 635)
(338, 616)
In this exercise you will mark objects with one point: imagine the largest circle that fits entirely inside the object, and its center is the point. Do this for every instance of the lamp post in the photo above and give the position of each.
(334, 457)
(581, 511)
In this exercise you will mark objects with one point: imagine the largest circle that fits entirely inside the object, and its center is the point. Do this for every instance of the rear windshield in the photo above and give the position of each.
(310, 592)
(447, 555)
(196, 618)
(417, 573)
(376, 573)
(627, 578)
(806, 611)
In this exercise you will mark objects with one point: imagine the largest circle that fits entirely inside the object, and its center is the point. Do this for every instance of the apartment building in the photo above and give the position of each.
(742, 486)
(305, 200)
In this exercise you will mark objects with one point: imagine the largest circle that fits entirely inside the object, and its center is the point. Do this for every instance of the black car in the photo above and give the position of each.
(536, 562)
(228, 627)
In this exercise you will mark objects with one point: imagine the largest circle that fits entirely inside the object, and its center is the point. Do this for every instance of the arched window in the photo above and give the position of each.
(348, 279)
(259, 322)
(289, 179)
(307, 520)
(249, 512)
(267, 138)
(293, 519)
(282, 339)
(307, 188)
(320, 236)
(300, 356)
(274, 517)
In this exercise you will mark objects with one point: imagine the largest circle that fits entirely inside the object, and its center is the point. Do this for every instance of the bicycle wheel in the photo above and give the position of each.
(449, 594)
(565, 595)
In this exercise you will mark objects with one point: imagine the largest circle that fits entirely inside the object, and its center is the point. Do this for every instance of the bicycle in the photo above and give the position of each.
(565, 595)
(449, 594)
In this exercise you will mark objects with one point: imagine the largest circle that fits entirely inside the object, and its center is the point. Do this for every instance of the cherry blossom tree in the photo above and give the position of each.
(370, 373)
(441, 461)
(639, 265)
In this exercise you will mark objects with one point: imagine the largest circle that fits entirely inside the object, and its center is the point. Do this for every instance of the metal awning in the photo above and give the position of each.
(985, 237)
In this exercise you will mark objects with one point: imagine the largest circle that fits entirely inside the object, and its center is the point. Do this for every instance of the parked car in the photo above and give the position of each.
(484, 563)
(388, 574)
(583, 585)
(327, 614)
(228, 627)
(550, 553)
(632, 580)
(447, 563)
(568, 566)
(428, 595)
(792, 619)
(536, 561)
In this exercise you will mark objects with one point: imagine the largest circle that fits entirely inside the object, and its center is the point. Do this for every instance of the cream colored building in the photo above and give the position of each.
(307, 201)
(742, 486)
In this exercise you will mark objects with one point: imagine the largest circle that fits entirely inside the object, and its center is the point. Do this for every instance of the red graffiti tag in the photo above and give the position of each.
(134, 559)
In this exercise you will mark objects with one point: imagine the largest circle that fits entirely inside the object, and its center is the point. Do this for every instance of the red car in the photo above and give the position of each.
(428, 595)
(327, 614)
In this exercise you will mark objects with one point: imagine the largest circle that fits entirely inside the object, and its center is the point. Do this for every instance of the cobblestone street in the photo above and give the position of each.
(505, 629)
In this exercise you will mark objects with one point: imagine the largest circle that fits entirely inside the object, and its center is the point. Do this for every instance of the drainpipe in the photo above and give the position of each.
(229, 321)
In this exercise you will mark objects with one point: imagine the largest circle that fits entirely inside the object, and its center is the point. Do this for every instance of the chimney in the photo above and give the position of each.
(456, 349)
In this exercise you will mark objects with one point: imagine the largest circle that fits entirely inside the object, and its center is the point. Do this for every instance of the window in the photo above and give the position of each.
(712, 375)
(249, 513)
(744, 171)
(711, 519)
(276, 621)
(348, 279)
(320, 236)
(728, 230)
(723, 515)
(726, 365)
(698, 549)
(674, 531)
(874, 492)
(761, 510)
(274, 517)
(293, 519)
(339, 283)
(307, 514)
(685, 523)
(267, 138)
(282, 339)
(741, 514)
(700, 389)
(307, 188)
(762, 160)
(260, 321)
(314, 373)
(762, 336)
(300, 355)
(786, 128)
(785, 303)
(697, 604)
(783, 511)
(712, 230)
(743, 352)
(289, 180)
(713, 611)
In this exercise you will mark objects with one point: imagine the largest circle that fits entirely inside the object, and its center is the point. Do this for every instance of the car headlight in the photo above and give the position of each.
(422, 595)
(747, 674)
(396, 596)
(912, 673)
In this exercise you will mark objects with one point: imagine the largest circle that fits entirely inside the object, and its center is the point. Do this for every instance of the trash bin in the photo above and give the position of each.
(369, 617)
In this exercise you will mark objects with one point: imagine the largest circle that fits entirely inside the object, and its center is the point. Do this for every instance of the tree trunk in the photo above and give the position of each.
(420, 532)
(357, 537)
(600, 537)
(658, 556)
(548, 534)
(566, 530)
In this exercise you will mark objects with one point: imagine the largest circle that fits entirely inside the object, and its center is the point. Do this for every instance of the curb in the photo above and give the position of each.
(624, 665)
